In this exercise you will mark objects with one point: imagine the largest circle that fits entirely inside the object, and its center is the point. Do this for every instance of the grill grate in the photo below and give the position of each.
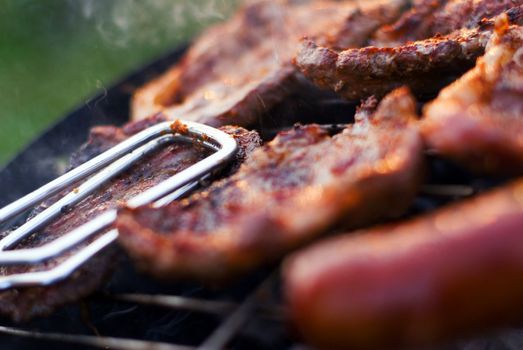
(258, 303)
(237, 315)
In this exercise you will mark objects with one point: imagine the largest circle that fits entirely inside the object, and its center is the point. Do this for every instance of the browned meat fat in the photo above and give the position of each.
(24, 303)
(452, 273)
(477, 120)
(429, 18)
(238, 70)
(414, 24)
(287, 192)
(425, 65)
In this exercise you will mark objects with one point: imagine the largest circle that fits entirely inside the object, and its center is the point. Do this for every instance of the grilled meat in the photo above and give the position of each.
(454, 272)
(414, 24)
(238, 70)
(360, 23)
(425, 65)
(432, 18)
(477, 120)
(24, 303)
(287, 192)
(468, 14)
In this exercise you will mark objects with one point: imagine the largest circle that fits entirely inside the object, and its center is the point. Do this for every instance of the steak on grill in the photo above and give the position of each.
(477, 120)
(286, 193)
(24, 303)
(429, 18)
(455, 272)
(238, 70)
(425, 65)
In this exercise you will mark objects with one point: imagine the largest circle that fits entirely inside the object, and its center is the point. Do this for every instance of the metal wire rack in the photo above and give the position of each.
(258, 303)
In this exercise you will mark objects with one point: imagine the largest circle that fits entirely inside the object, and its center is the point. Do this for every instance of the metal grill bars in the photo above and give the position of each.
(236, 316)
(106, 166)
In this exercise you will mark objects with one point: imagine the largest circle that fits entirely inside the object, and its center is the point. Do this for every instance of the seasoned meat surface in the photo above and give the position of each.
(425, 65)
(477, 120)
(430, 18)
(23, 303)
(452, 273)
(287, 192)
(414, 24)
(360, 23)
(238, 70)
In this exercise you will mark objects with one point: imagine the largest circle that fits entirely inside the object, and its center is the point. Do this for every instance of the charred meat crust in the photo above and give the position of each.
(425, 65)
(286, 193)
(468, 14)
(476, 121)
(452, 273)
(21, 304)
(361, 23)
(429, 18)
(413, 24)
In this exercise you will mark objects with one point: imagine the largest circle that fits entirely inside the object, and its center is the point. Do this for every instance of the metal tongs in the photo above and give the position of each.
(106, 166)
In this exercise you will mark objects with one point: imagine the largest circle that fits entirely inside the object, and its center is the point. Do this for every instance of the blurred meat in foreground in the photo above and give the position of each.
(455, 272)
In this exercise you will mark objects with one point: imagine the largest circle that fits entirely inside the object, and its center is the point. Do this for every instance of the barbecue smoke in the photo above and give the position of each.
(152, 22)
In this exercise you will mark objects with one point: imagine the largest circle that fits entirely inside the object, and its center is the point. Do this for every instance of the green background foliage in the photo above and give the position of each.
(55, 54)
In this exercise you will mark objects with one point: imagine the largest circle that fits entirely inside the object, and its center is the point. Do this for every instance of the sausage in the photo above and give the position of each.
(454, 272)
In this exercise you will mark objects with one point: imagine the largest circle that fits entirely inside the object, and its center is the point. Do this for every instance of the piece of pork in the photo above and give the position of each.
(426, 65)
(286, 193)
(21, 304)
(477, 121)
